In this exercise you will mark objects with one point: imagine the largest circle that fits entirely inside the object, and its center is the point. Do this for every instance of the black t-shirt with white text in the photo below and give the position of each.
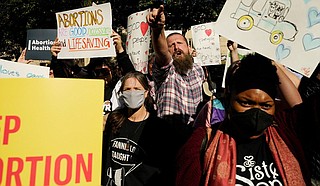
(127, 157)
(255, 164)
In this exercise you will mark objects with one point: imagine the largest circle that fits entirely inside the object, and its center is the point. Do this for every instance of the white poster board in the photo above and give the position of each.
(138, 40)
(284, 30)
(86, 32)
(207, 44)
(9, 69)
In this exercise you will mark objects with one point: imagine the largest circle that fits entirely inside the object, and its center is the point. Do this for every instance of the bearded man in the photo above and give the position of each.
(178, 80)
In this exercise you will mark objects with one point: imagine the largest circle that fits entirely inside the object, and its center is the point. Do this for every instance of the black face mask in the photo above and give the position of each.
(252, 122)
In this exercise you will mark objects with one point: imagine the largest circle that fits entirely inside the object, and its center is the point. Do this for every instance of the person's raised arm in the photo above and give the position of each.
(117, 42)
(57, 67)
(22, 58)
(288, 89)
(295, 80)
(233, 48)
(156, 20)
(123, 59)
(55, 48)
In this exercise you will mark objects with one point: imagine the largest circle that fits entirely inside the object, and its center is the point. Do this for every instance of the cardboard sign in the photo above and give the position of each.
(39, 42)
(283, 30)
(50, 132)
(207, 44)
(86, 32)
(138, 40)
(9, 69)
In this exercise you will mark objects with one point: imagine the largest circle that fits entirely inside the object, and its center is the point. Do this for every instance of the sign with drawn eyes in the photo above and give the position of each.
(286, 31)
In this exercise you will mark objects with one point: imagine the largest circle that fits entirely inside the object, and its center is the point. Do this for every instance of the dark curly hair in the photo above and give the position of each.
(254, 71)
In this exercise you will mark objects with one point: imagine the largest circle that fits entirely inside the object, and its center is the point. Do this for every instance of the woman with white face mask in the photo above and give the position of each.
(136, 141)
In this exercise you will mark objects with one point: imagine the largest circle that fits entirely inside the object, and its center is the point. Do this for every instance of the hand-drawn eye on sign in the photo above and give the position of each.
(267, 15)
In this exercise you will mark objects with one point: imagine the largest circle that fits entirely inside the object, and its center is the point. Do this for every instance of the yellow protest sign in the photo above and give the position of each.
(50, 131)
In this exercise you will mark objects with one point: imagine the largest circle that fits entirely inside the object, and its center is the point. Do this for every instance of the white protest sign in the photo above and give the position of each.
(86, 32)
(207, 44)
(283, 30)
(138, 40)
(9, 69)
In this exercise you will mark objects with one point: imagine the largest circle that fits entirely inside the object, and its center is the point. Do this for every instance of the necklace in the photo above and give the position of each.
(137, 120)
(145, 116)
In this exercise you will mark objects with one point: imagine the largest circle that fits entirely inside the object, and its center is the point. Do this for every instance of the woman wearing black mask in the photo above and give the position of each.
(254, 145)
(136, 141)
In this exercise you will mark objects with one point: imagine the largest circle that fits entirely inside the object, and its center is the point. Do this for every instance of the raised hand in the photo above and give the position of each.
(156, 17)
(232, 45)
(117, 42)
(233, 48)
(22, 58)
(56, 47)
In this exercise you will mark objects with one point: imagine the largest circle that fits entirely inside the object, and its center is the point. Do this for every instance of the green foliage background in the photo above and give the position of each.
(17, 16)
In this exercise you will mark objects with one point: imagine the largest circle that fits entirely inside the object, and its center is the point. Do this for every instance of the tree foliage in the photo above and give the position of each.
(17, 16)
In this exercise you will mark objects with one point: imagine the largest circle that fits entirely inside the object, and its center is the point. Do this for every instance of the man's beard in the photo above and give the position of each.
(183, 63)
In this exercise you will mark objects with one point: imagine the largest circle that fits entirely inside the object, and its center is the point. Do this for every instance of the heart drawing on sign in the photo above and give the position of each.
(310, 43)
(208, 32)
(313, 16)
(144, 28)
(282, 52)
(144, 70)
(306, 71)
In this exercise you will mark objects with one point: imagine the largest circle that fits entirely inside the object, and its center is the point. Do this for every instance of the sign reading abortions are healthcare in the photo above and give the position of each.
(86, 32)
(9, 69)
(207, 44)
(286, 31)
(39, 42)
(138, 40)
(45, 138)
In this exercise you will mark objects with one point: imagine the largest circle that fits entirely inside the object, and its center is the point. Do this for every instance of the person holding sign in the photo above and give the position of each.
(123, 59)
(256, 144)
(65, 68)
(136, 143)
(178, 80)
(22, 57)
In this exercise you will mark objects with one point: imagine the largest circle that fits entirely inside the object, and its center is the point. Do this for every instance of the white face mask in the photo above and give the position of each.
(133, 98)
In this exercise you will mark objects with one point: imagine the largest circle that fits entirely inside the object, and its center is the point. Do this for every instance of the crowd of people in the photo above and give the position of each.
(164, 130)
